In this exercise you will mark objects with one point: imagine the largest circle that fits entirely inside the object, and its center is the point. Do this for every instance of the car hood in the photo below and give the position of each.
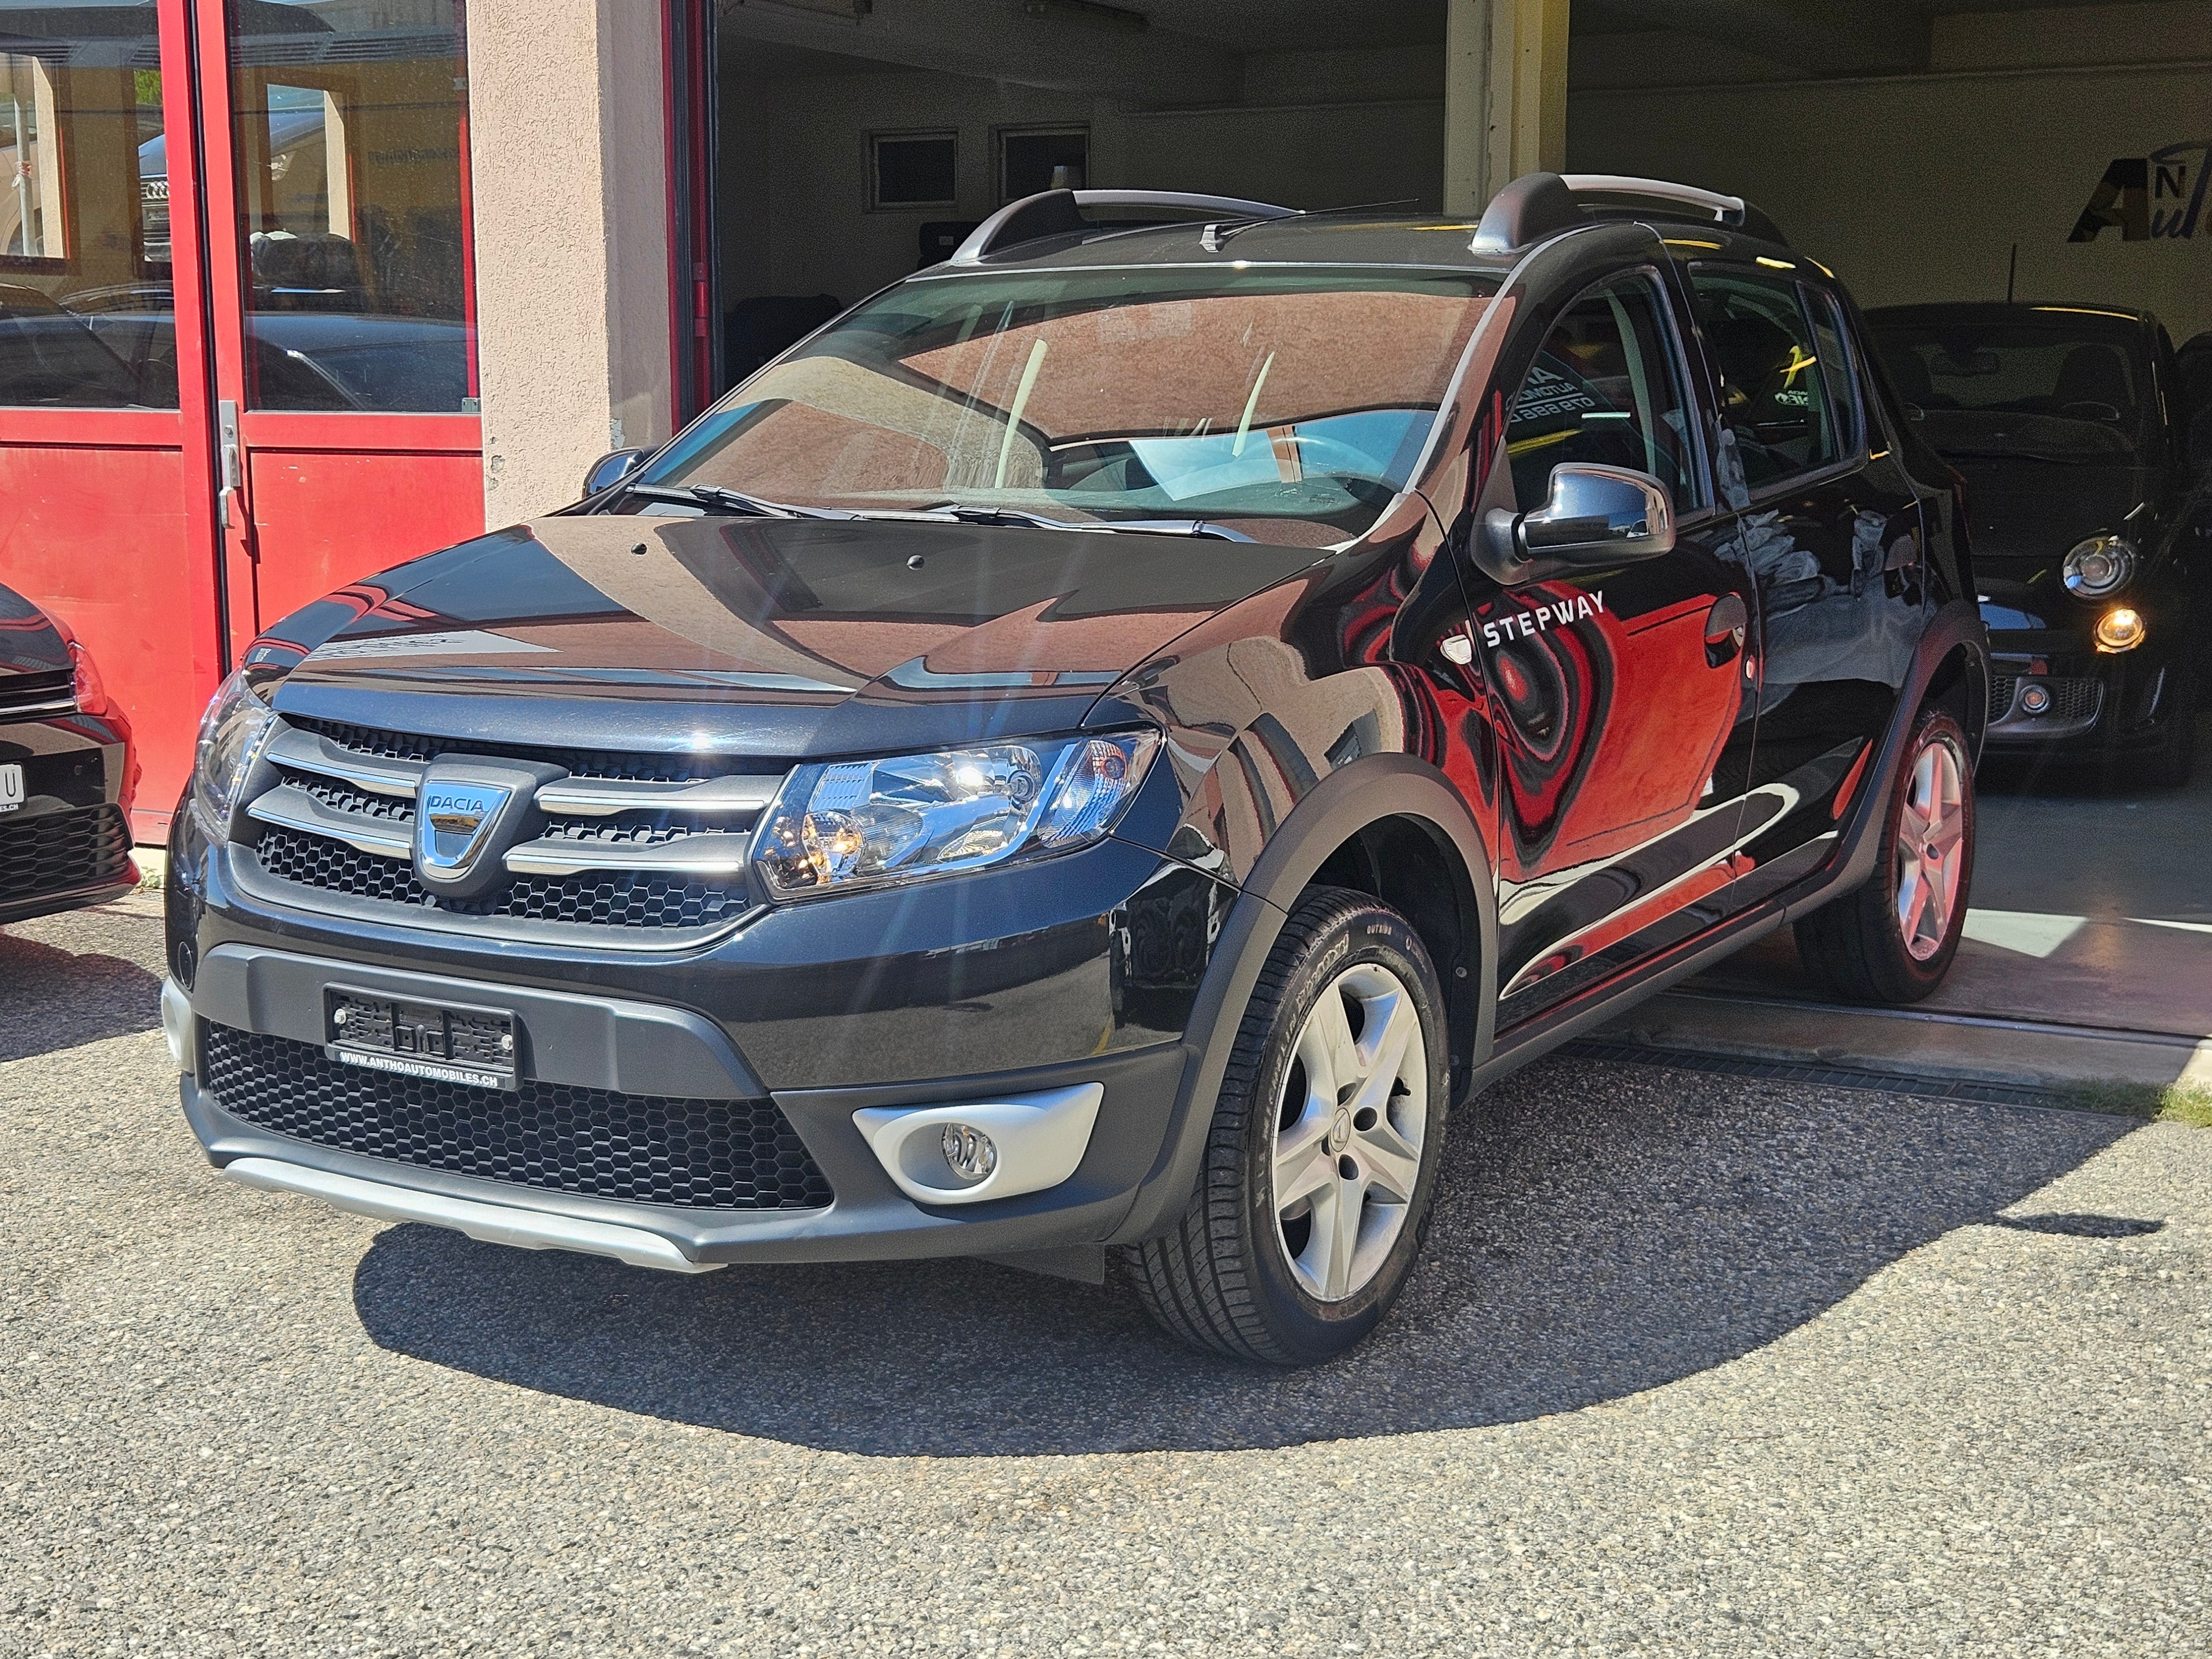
(783, 638)
(2024, 513)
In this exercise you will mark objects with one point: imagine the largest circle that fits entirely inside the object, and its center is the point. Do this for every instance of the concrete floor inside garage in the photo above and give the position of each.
(2087, 957)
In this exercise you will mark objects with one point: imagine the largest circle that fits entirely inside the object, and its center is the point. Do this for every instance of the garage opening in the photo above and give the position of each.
(857, 143)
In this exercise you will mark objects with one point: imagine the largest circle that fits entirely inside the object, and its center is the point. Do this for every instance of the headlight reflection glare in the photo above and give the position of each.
(862, 824)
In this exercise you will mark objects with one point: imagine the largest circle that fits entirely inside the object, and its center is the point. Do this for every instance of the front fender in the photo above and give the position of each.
(1331, 813)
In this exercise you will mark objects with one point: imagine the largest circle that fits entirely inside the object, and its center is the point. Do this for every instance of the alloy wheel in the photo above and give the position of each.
(1931, 853)
(1349, 1130)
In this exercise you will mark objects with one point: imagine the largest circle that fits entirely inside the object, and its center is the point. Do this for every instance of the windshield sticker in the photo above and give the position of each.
(472, 642)
(1525, 624)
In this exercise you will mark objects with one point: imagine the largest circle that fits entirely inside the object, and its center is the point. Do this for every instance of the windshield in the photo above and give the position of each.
(2054, 385)
(1288, 404)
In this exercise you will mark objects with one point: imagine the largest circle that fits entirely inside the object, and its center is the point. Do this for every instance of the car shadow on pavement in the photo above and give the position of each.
(1603, 1229)
(54, 998)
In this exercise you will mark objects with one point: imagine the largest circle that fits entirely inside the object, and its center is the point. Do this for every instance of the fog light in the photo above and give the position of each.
(969, 1151)
(2035, 700)
(2119, 629)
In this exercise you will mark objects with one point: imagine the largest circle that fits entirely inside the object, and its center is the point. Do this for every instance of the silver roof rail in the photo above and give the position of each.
(1059, 213)
(1725, 210)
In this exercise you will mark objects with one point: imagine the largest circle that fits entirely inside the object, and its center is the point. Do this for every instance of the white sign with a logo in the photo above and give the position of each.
(11, 787)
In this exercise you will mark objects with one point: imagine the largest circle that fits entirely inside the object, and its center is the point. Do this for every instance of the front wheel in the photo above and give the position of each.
(1314, 1196)
(1892, 941)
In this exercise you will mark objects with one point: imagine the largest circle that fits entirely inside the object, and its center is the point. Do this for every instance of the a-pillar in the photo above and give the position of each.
(568, 144)
(1506, 95)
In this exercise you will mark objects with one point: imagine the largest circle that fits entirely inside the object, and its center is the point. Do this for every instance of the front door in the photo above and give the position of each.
(1620, 699)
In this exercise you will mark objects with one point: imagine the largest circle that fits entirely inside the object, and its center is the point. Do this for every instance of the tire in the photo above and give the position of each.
(2175, 761)
(1859, 944)
(1291, 1285)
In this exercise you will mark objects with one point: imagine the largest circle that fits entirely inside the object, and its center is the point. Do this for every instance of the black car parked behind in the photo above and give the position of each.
(2071, 426)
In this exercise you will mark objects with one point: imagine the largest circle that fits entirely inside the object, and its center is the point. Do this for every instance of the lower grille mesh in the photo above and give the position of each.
(609, 900)
(57, 852)
(560, 1137)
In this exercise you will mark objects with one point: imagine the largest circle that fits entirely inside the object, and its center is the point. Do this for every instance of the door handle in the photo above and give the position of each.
(1726, 626)
(229, 456)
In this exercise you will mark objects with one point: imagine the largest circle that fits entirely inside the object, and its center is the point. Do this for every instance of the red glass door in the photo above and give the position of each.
(107, 518)
(341, 281)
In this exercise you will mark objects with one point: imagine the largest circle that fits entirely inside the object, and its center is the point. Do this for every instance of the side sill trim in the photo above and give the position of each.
(493, 1224)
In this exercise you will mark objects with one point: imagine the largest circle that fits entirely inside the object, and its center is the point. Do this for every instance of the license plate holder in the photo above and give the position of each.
(439, 1041)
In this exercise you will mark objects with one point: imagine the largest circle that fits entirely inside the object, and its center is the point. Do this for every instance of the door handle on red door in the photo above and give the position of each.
(1726, 625)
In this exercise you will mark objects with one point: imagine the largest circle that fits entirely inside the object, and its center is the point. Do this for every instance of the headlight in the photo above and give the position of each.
(2119, 629)
(867, 823)
(2100, 566)
(237, 723)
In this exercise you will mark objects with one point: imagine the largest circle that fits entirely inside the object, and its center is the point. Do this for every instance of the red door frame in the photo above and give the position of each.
(62, 453)
(307, 434)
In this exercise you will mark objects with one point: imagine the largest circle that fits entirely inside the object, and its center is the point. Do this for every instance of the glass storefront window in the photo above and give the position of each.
(84, 247)
(350, 138)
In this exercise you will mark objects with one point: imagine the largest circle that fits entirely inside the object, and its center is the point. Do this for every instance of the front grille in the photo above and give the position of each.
(680, 768)
(558, 1137)
(620, 900)
(59, 851)
(639, 898)
(19, 692)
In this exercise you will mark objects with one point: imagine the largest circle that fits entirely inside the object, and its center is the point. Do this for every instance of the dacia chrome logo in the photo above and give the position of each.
(451, 822)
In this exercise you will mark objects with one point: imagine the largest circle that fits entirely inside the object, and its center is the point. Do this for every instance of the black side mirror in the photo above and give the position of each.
(611, 469)
(1596, 516)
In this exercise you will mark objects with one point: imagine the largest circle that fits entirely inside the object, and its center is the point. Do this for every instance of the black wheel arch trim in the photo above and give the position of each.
(1347, 800)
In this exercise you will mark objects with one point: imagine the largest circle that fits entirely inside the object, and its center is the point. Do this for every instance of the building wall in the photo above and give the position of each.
(1315, 130)
(1918, 188)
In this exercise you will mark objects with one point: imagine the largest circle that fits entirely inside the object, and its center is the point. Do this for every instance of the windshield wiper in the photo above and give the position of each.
(731, 501)
(965, 514)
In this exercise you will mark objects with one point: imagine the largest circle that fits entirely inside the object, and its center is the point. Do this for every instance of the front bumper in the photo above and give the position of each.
(2101, 706)
(1004, 986)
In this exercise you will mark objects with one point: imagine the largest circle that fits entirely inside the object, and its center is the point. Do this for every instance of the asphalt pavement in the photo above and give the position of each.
(1696, 1364)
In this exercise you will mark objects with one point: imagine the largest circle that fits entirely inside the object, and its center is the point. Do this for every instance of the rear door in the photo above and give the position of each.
(1618, 697)
(1827, 522)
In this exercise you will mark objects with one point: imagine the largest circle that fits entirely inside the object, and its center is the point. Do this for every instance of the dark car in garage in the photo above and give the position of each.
(66, 771)
(2070, 426)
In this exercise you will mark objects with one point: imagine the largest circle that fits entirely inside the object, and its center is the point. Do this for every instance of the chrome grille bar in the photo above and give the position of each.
(311, 751)
(602, 797)
(712, 853)
(288, 807)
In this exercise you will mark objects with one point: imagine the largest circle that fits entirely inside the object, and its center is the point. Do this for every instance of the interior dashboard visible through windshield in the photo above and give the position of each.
(1286, 403)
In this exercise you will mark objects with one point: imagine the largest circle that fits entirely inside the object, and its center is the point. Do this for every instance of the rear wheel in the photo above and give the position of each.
(1321, 1162)
(1892, 941)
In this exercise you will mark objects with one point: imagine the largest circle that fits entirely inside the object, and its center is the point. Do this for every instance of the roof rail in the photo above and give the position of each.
(1540, 204)
(1059, 213)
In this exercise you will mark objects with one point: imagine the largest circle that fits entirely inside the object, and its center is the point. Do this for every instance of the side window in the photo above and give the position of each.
(1838, 371)
(1602, 390)
(1775, 399)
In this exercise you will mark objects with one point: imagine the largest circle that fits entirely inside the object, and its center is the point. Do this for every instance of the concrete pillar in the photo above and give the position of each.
(567, 142)
(1506, 95)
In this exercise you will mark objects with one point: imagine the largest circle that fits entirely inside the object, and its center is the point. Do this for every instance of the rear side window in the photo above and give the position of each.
(1787, 395)
(1604, 390)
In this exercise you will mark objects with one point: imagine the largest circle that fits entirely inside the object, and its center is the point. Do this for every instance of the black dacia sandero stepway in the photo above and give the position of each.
(1092, 754)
